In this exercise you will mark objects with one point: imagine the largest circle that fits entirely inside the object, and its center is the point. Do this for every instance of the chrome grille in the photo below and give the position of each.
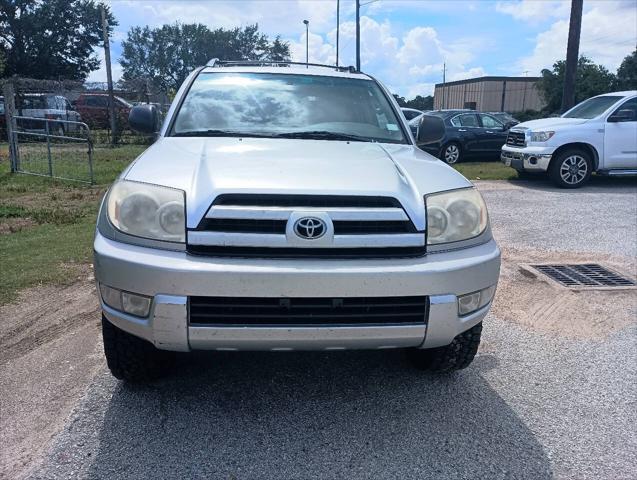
(258, 225)
(516, 139)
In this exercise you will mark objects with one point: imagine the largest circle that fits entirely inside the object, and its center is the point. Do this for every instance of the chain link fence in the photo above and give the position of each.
(87, 102)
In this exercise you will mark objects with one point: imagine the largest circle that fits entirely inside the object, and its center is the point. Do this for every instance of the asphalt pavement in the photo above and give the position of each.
(534, 404)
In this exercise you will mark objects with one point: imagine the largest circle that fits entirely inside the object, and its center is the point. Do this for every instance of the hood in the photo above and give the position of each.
(207, 167)
(549, 123)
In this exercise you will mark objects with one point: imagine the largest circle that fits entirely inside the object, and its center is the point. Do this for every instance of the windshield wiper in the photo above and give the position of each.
(220, 133)
(323, 135)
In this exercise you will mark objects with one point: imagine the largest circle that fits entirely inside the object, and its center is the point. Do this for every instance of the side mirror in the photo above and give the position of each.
(144, 119)
(508, 125)
(430, 130)
(626, 115)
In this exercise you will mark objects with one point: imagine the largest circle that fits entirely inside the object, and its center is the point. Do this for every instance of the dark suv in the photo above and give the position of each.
(467, 134)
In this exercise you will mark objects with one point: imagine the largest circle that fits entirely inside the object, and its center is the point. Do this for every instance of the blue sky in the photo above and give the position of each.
(404, 43)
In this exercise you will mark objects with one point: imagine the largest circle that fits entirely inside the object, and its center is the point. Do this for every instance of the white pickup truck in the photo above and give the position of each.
(598, 135)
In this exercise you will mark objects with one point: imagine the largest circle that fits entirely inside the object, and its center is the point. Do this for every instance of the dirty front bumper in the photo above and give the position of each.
(170, 278)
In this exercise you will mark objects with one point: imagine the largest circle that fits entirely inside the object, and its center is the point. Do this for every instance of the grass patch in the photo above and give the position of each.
(47, 225)
(43, 254)
(486, 171)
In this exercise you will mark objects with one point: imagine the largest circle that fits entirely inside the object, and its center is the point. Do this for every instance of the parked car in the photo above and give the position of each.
(506, 118)
(94, 108)
(297, 214)
(598, 135)
(467, 134)
(45, 105)
(411, 113)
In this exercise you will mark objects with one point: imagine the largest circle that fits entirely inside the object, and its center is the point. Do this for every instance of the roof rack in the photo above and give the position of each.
(215, 62)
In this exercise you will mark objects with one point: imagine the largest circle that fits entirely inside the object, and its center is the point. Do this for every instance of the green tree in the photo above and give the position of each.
(591, 80)
(167, 54)
(52, 39)
(421, 103)
(401, 100)
(627, 73)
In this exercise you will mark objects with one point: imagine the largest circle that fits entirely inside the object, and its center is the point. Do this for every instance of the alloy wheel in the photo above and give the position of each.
(573, 169)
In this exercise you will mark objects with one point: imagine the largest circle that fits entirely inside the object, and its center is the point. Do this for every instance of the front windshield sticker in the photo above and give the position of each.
(392, 127)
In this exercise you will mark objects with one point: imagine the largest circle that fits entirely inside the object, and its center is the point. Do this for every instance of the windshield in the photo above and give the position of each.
(592, 107)
(287, 105)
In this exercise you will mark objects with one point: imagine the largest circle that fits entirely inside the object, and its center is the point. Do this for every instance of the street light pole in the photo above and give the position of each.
(338, 26)
(307, 43)
(358, 35)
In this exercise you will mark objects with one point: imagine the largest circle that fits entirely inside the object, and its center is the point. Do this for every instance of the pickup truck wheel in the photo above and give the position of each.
(451, 153)
(132, 359)
(571, 168)
(455, 356)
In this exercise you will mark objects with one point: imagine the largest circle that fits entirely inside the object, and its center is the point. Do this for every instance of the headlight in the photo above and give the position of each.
(455, 216)
(541, 136)
(147, 211)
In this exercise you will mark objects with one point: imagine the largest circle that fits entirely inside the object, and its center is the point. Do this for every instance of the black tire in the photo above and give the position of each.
(455, 356)
(571, 168)
(132, 359)
(451, 153)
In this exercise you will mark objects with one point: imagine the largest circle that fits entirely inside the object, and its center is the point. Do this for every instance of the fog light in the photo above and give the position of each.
(132, 303)
(137, 305)
(111, 296)
(471, 302)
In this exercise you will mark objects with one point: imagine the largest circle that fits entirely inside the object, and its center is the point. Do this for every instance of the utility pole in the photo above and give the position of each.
(338, 26)
(358, 35)
(307, 43)
(444, 87)
(109, 78)
(572, 55)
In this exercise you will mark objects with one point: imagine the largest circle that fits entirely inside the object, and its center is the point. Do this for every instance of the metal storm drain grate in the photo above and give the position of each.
(584, 275)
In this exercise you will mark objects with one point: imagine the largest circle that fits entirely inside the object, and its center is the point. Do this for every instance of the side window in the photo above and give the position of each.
(489, 122)
(629, 105)
(467, 120)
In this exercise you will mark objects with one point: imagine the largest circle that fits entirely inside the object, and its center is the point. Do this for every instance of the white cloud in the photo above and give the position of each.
(534, 10)
(285, 17)
(471, 73)
(99, 75)
(409, 61)
(609, 33)
(410, 65)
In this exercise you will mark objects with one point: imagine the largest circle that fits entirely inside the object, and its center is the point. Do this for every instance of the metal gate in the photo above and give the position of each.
(53, 148)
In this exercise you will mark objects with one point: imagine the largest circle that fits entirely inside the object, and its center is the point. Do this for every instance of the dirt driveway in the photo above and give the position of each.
(551, 393)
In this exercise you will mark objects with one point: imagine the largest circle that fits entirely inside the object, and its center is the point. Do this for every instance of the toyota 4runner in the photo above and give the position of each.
(286, 207)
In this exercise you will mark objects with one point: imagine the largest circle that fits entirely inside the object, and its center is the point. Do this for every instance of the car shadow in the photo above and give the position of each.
(314, 415)
(597, 183)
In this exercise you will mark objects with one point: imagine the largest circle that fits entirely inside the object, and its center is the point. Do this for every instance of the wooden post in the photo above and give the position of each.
(9, 112)
(572, 55)
(109, 78)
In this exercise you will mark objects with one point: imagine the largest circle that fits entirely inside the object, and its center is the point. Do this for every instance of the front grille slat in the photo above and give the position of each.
(307, 311)
(255, 225)
(516, 139)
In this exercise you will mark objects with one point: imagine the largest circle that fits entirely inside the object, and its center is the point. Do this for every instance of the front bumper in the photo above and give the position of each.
(171, 277)
(532, 159)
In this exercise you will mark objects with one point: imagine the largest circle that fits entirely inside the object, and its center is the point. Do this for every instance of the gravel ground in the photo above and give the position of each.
(535, 403)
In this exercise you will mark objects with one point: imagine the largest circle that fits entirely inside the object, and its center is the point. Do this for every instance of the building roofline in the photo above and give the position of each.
(489, 79)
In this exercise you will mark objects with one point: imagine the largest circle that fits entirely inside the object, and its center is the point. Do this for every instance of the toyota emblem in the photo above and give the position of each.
(310, 228)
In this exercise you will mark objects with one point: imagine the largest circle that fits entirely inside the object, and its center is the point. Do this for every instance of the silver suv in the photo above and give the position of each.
(288, 208)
